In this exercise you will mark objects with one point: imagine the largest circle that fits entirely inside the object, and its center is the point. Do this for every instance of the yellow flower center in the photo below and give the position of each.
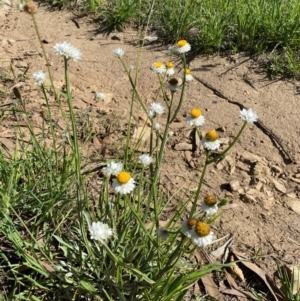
(158, 64)
(187, 71)
(212, 135)
(173, 81)
(191, 222)
(202, 229)
(181, 43)
(169, 65)
(195, 113)
(123, 177)
(210, 200)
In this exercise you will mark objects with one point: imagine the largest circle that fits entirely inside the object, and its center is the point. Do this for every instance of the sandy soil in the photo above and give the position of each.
(260, 176)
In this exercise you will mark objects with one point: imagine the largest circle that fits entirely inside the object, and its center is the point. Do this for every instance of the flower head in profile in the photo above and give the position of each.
(156, 126)
(100, 231)
(158, 67)
(39, 77)
(210, 141)
(30, 7)
(182, 46)
(155, 109)
(202, 235)
(209, 205)
(67, 50)
(118, 52)
(123, 183)
(169, 68)
(248, 115)
(195, 117)
(187, 226)
(174, 84)
(145, 159)
(187, 75)
(113, 168)
(100, 95)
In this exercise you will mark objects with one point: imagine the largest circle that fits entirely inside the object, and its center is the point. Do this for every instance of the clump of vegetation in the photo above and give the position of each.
(60, 246)
(255, 27)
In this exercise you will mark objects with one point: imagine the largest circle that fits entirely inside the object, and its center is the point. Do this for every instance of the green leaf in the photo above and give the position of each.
(63, 242)
(87, 286)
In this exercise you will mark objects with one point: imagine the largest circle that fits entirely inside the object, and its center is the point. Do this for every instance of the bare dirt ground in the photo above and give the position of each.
(260, 176)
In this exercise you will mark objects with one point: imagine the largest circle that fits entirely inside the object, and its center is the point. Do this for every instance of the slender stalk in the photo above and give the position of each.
(53, 133)
(182, 91)
(200, 184)
(221, 155)
(45, 56)
(75, 145)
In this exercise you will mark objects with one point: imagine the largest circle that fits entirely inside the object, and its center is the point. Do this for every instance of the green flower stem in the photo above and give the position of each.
(200, 184)
(53, 133)
(133, 84)
(129, 130)
(75, 146)
(161, 84)
(160, 155)
(173, 258)
(45, 56)
(182, 91)
(128, 202)
(170, 106)
(221, 155)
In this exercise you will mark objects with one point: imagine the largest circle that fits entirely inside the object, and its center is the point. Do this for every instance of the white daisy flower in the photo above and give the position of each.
(150, 113)
(163, 233)
(181, 46)
(100, 231)
(195, 117)
(157, 108)
(158, 67)
(210, 141)
(170, 133)
(39, 77)
(202, 241)
(131, 67)
(174, 84)
(118, 52)
(145, 159)
(187, 75)
(187, 226)
(209, 205)
(100, 95)
(248, 115)
(124, 183)
(169, 68)
(113, 168)
(67, 50)
(209, 210)
(156, 126)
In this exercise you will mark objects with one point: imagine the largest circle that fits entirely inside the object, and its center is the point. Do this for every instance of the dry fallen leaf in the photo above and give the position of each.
(211, 288)
(223, 250)
(236, 270)
(258, 271)
(96, 143)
